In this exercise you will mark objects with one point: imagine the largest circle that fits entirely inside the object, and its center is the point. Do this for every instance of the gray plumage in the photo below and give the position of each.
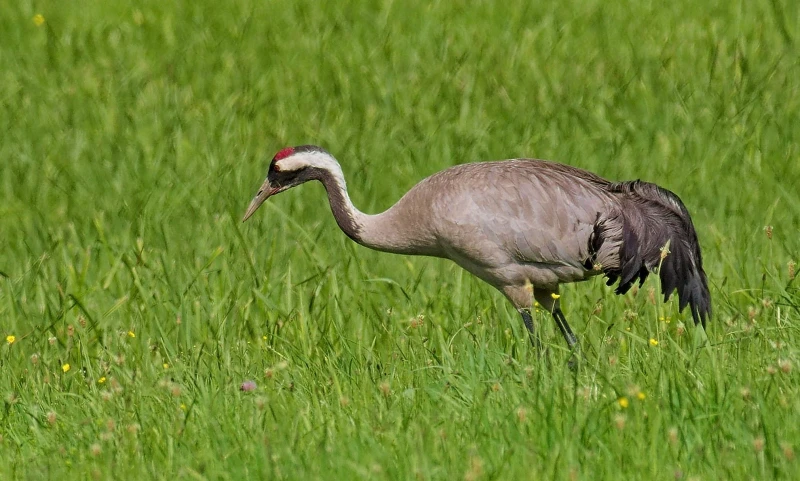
(524, 226)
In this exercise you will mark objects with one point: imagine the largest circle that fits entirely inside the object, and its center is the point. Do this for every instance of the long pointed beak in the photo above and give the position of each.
(264, 193)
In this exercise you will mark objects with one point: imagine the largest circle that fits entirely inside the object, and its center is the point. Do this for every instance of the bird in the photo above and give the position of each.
(524, 226)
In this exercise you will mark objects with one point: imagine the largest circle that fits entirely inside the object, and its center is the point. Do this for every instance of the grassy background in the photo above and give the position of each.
(133, 138)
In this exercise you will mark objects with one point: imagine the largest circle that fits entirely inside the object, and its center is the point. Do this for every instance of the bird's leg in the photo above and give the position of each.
(528, 320)
(521, 296)
(561, 322)
(549, 300)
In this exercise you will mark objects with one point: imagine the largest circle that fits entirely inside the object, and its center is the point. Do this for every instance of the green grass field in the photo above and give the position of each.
(132, 139)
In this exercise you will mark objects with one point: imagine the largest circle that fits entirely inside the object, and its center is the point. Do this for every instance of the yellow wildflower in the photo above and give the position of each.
(166, 366)
(623, 402)
(10, 339)
(131, 334)
(554, 295)
(653, 342)
(101, 380)
(263, 338)
(38, 19)
(641, 396)
(183, 407)
(65, 368)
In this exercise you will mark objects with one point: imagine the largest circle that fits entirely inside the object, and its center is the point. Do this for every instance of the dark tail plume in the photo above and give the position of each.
(657, 233)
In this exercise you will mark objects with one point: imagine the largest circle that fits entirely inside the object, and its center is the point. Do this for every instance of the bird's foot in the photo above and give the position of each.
(574, 363)
(576, 359)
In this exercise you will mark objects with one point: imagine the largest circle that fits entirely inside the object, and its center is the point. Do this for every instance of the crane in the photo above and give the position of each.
(524, 226)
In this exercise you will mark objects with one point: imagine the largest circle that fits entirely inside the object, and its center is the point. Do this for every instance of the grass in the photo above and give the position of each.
(133, 138)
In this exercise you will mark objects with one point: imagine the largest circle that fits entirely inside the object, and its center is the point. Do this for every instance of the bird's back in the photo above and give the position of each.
(508, 220)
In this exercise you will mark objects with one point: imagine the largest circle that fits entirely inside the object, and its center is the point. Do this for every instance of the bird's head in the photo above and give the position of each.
(290, 167)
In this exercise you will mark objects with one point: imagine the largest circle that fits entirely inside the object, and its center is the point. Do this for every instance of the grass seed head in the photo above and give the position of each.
(791, 267)
(746, 394)
(665, 251)
(619, 421)
(475, 469)
(788, 452)
(416, 322)
(116, 386)
(95, 449)
(672, 436)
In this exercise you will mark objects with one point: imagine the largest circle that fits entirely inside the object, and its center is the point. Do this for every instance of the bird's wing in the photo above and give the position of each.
(520, 211)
